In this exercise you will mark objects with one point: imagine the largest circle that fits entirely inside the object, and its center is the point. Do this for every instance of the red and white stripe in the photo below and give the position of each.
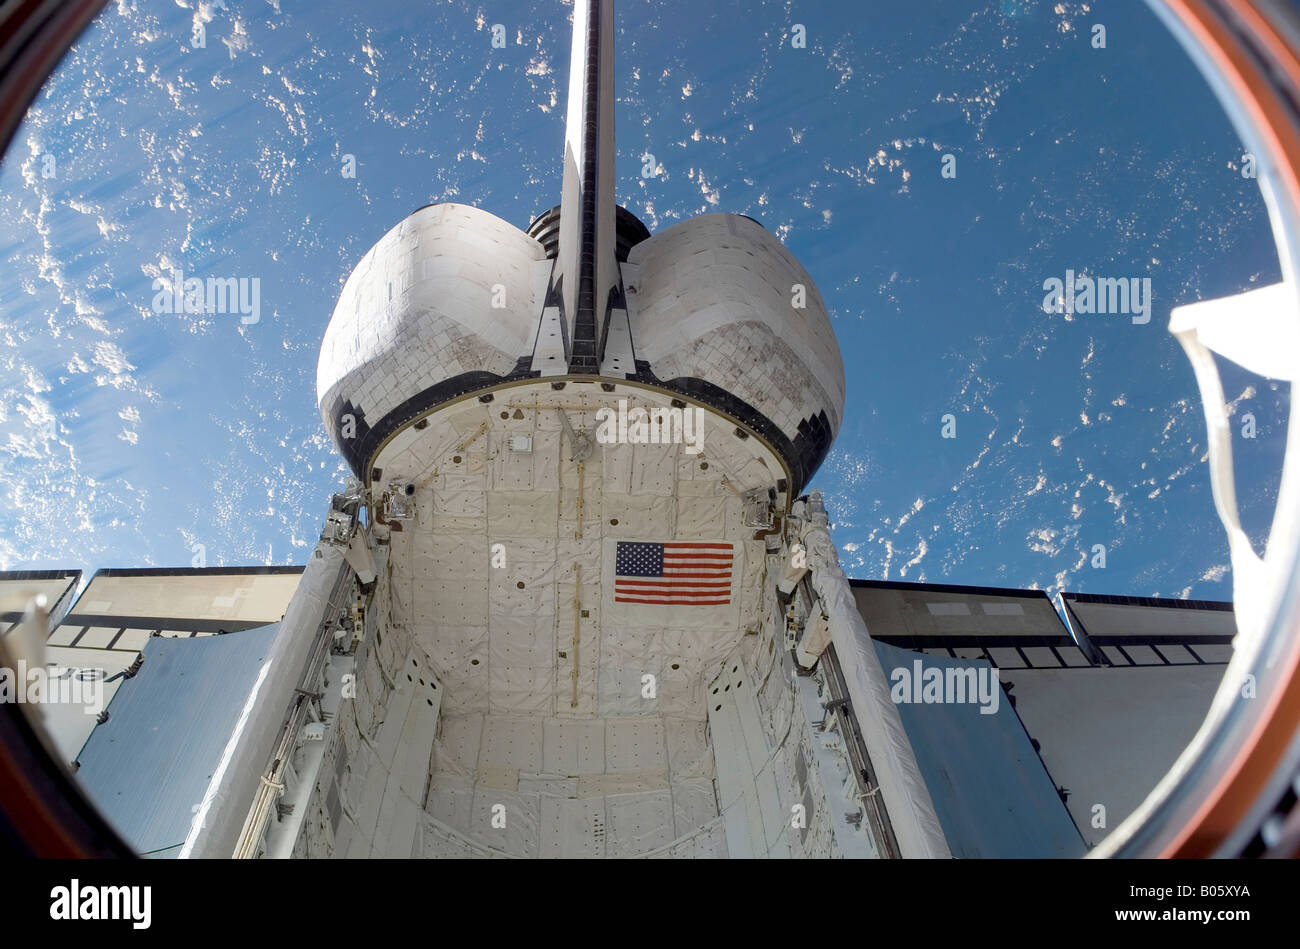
(695, 574)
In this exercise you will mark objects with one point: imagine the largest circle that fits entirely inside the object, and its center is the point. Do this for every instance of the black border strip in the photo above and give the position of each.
(954, 588)
(1173, 604)
(1171, 640)
(38, 574)
(803, 455)
(195, 571)
(972, 641)
(179, 624)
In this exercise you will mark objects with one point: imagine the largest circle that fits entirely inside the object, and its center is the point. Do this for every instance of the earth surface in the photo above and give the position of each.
(130, 437)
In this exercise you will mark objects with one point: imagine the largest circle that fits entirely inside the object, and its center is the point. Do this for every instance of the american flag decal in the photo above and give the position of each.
(676, 574)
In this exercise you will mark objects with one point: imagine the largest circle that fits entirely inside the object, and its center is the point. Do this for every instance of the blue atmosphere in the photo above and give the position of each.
(933, 164)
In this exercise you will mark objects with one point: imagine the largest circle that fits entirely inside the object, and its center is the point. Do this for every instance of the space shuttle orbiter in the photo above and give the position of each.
(582, 444)
(576, 602)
